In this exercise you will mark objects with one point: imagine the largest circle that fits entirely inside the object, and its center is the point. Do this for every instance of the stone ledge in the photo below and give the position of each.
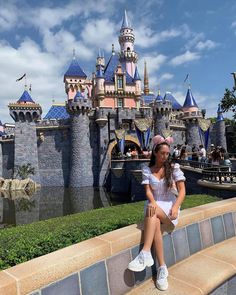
(49, 268)
(217, 264)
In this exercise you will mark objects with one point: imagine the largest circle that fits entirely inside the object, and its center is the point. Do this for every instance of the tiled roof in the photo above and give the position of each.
(57, 112)
(25, 97)
(75, 70)
(148, 98)
(189, 100)
(159, 97)
(111, 67)
(175, 104)
(136, 75)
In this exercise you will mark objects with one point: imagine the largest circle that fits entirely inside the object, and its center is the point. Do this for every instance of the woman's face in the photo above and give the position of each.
(163, 153)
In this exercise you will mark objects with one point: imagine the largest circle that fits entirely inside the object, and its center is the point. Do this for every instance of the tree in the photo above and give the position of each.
(25, 171)
(228, 102)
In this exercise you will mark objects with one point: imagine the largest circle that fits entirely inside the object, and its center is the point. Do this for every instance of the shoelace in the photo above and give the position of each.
(161, 274)
(141, 257)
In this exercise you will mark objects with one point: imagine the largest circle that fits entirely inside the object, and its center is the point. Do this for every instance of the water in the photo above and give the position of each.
(18, 208)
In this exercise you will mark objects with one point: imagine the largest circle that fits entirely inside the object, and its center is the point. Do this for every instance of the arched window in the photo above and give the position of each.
(120, 82)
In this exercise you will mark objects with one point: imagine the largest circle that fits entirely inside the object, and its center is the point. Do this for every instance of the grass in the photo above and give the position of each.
(22, 243)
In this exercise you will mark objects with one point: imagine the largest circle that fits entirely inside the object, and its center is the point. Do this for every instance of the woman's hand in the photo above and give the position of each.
(173, 214)
(151, 209)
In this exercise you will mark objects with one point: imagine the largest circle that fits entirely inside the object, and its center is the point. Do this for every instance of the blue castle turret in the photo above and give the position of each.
(25, 112)
(161, 113)
(190, 115)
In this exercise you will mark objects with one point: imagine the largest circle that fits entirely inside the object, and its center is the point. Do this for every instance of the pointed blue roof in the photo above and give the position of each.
(219, 114)
(149, 98)
(159, 97)
(25, 97)
(136, 75)
(57, 112)
(111, 67)
(99, 73)
(75, 70)
(125, 22)
(78, 96)
(175, 104)
(189, 100)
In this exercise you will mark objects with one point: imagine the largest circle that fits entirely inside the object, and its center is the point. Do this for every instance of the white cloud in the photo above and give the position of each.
(184, 58)
(8, 17)
(44, 72)
(166, 76)
(208, 44)
(100, 33)
(146, 37)
(233, 25)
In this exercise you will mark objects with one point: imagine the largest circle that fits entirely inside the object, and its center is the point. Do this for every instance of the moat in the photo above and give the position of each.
(50, 202)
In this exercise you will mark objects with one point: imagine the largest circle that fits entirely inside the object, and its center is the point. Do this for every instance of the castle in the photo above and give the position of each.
(72, 145)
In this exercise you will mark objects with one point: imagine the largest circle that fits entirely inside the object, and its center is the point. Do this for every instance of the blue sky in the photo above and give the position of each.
(175, 37)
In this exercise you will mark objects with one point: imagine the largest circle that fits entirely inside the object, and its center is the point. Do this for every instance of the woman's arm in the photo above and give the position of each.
(151, 208)
(179, 200)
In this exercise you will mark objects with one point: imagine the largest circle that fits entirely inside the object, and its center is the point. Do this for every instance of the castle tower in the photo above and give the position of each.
(81, 174)
(190, 115)
(100, 61)
(74, 79)
(146, 82)
(161, 113)
(99, 85)
(25, 112)
(220, 129)
(126, 39)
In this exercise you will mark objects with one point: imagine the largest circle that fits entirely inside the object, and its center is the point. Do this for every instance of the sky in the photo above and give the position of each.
(174, 37)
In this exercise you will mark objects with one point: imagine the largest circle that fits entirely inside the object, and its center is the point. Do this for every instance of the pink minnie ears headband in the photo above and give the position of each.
(158, 139)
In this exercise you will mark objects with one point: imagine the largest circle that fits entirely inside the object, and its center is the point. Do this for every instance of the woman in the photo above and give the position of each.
(162, 207)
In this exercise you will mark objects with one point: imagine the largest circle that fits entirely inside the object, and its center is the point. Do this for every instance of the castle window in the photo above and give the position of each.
(120, 82)
(120, 102)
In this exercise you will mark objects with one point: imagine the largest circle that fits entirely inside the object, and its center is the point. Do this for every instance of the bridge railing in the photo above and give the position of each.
(219, 175)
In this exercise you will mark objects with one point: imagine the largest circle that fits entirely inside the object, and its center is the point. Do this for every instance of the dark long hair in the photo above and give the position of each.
(168, 167)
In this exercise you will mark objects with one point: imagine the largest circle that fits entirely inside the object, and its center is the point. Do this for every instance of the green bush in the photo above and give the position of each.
(22, 243)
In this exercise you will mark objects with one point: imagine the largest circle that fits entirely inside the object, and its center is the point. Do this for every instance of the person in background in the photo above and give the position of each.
(202, 154)
(195, 153)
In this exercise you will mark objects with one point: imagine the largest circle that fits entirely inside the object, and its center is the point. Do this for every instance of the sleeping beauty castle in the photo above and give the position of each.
(102, 116)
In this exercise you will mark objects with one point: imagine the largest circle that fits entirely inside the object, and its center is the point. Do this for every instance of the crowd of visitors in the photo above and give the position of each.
(216, 155)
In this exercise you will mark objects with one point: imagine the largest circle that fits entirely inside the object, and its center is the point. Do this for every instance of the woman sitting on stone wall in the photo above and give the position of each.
(162, 207)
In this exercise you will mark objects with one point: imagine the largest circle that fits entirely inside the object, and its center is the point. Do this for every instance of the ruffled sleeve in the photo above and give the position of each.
(145, 175)
(178, 174)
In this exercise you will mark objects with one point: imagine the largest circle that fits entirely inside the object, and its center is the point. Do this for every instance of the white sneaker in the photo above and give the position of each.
(162, 274)
(140, 262)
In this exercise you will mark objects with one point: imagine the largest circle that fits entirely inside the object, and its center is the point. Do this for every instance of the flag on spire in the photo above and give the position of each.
(186, 78)
(21, 78)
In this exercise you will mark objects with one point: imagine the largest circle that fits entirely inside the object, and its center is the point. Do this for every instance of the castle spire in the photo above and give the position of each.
(219, 114)
(146, 83)
(125, 22)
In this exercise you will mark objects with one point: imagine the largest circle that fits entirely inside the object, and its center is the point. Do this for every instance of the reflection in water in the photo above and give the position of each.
(49, 202)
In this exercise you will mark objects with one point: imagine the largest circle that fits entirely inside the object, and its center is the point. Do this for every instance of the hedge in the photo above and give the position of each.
(22, 243)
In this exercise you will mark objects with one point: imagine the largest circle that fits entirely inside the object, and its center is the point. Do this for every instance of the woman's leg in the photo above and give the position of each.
(158, 244)
(158, 240)
(150, 224)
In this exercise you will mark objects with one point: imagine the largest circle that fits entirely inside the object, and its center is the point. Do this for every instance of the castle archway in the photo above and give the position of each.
(131, 142)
